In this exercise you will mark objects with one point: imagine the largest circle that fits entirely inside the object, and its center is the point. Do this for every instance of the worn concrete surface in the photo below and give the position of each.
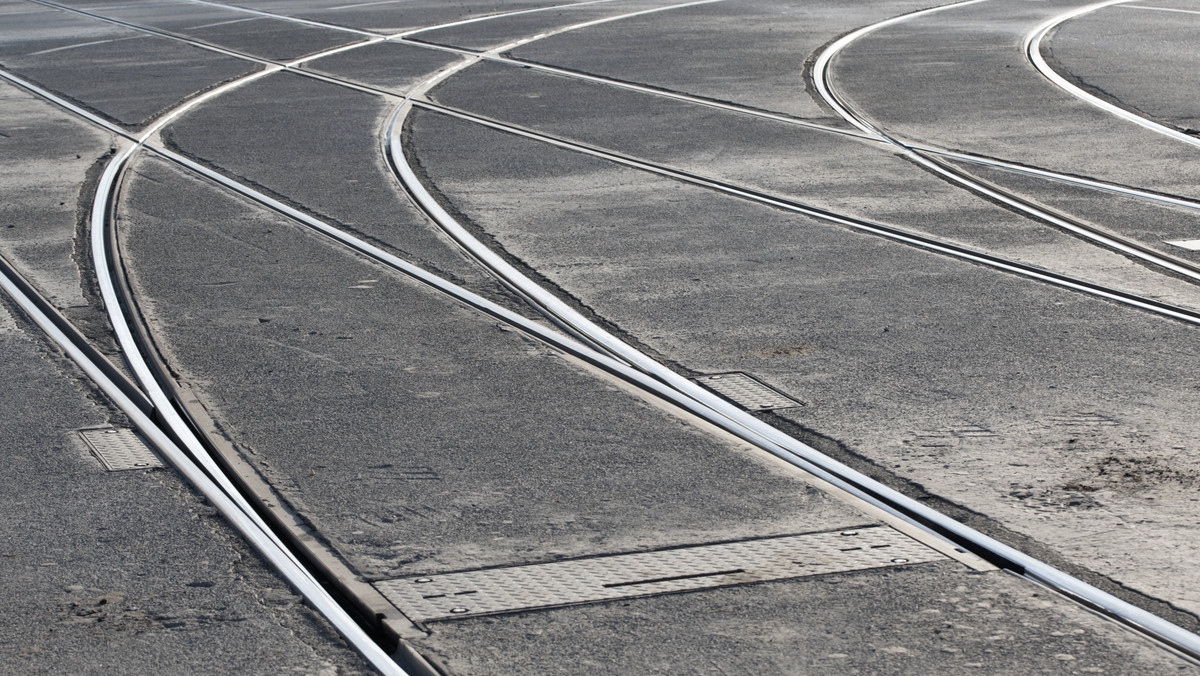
(257, 35)
(125, 572)
(276, 136)
(910, 358)
(393, 17)
(391, 66)
(485, 35)
(418, 436)
(840, 174)
(751, 53)
(127, 76)
(959, 79)
(1109, 52)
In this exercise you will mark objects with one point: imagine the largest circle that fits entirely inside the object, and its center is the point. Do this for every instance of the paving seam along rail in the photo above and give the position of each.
(731, 107)
(916, 152)
(986, 189)
(821, 78)
(749, 428)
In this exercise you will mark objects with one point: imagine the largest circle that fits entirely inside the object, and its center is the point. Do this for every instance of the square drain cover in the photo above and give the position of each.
(561, 583)
(748, 391)
(120, 449)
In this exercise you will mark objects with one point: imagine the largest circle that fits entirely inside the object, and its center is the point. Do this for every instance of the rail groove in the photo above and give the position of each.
(644, 373)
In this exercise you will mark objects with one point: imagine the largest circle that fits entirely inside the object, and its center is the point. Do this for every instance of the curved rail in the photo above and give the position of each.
(745, 426)
(673, 387)
(1111, 240)
(1126, 191)
(1032, 46)
(158, 407)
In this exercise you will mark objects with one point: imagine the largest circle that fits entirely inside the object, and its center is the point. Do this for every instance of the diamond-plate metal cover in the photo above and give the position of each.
(120, 449)
(498, 590)
(748, 391)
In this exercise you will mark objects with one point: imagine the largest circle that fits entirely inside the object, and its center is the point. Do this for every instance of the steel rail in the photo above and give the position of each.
(105, 261)
(886, 231)
(230, 506)
(917, 152)
(169, 412)
(568, 345)
(740, 423)
(406, 38)
(1126, 191)
(1032, 46)
(1149, 623)
(1097, 235)
(750, 429)
(1123, 190)
(745, 110)
(881, 496)
(579, 350)
(495, 56)
(896, 234)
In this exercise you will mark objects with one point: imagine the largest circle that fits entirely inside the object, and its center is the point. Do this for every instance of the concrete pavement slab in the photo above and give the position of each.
(276, 135)
(1011, 398)
(125, 572)
(843, 175)
(751, 53)
(124, 75)
(485, 35)
(959, 79)
(261, 36)
(391, 66)
(392, 16)
(1111, 51)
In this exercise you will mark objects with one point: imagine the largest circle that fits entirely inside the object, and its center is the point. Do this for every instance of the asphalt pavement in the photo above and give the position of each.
(393, 328)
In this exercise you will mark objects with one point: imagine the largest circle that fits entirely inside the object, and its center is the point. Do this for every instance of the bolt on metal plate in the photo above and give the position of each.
(120, 449)
(748, 391)
(499, 590)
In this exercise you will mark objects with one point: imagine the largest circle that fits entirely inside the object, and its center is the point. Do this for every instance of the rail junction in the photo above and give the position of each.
(610, 336)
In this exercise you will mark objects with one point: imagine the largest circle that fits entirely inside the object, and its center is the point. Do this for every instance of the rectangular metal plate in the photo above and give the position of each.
(120, 449)
(499, 590)
(748, 391)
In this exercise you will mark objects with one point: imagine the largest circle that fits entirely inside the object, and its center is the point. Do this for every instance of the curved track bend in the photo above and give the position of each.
(648, 374)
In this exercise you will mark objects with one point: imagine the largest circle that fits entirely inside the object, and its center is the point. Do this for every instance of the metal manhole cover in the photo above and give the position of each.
(120, 449)
(748, 391)
(498, 590)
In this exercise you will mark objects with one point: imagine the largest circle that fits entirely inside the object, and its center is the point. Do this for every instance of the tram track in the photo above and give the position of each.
(1032, 48)
(929, 157)
(1102, 237)
(655, 378)
(924, 156)
(765, 436)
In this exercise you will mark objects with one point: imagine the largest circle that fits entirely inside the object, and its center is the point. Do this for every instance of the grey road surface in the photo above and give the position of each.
(379, 252)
